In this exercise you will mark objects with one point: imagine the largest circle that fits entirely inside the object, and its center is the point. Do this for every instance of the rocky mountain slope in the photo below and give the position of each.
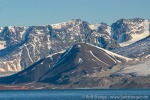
(22, 46)
(128, 31)
(140, 49)
(82, 61)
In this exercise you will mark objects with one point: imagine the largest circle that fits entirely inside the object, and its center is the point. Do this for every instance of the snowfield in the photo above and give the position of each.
(139, 69)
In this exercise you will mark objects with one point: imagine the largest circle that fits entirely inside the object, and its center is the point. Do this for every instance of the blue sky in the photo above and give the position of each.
(41, 12)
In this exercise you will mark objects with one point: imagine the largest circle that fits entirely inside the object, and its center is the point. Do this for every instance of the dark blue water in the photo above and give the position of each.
(86, 94)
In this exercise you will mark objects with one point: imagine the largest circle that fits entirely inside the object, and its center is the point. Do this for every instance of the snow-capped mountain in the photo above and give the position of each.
(21, 46)
(31, 43)
(128, 31)
(80, 61)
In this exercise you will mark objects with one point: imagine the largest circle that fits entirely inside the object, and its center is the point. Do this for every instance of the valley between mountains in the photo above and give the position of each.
(76, 54)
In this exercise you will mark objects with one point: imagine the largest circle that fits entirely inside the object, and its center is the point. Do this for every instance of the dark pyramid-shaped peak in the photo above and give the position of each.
(81, 60)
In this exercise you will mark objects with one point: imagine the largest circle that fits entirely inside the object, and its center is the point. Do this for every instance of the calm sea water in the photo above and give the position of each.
(85, 94)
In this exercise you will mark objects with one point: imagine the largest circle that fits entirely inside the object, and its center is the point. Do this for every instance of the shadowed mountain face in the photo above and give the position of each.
(81, 60)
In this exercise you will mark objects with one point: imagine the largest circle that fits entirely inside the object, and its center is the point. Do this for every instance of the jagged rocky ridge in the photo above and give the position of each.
(22, 46)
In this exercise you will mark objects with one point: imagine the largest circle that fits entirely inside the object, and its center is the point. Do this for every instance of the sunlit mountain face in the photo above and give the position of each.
(76, 54)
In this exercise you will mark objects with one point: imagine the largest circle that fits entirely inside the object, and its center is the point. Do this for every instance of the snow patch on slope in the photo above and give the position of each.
(56, 26)
(97, 58)
(2, 45)
(60, 25)
(28, 52)
(1, 29)
(23, 33)
(56, 53)
(80, 60)
(94, 26)
(12, 29)
(108, 30)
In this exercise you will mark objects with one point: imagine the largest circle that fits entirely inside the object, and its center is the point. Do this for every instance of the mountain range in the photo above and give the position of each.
(21, 46)
(76, 54)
